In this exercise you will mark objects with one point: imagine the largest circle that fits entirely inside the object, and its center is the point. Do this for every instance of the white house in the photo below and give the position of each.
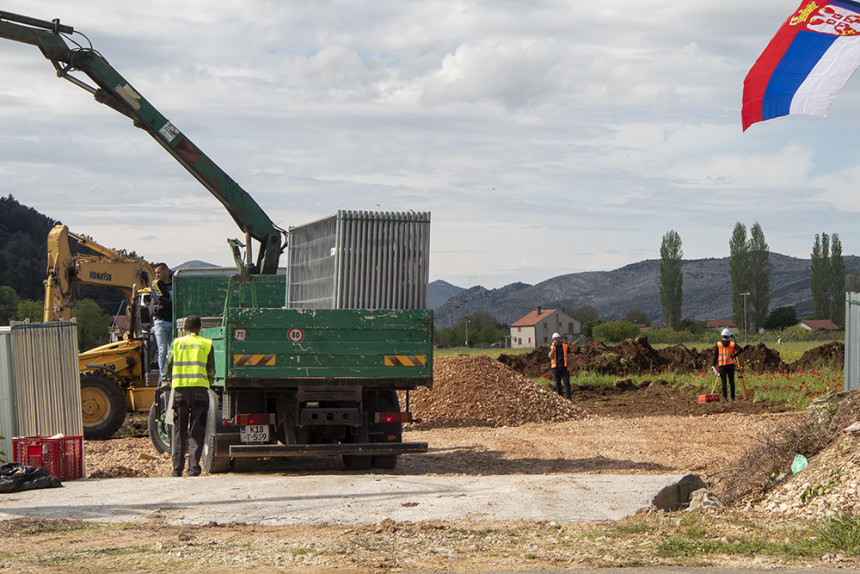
(537, 327)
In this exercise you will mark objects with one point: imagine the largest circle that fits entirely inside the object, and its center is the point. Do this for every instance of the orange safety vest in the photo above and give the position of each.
(555, 359)
(727, 353)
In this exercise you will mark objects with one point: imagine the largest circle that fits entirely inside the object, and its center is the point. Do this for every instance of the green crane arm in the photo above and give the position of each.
(117, 93)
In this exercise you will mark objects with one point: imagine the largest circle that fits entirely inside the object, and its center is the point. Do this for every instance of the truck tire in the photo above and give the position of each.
(160, 433)
(211, 463)
(103, 406)
(388, 401)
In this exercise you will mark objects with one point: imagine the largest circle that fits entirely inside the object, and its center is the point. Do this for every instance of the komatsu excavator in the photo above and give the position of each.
(113, 376)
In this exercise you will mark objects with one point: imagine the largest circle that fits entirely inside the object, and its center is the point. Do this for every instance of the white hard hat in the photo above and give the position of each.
(726, 333)
(556, 336)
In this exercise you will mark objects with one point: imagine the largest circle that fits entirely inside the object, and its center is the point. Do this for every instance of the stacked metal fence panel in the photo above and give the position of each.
(360, 260)
(852, 341)
(8, 403)
(46, 382)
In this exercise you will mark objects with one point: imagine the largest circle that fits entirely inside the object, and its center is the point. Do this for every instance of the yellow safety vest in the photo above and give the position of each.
(190, 354)
(727, 354)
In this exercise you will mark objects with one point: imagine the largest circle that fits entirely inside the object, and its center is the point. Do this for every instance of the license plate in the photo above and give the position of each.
(254, 433)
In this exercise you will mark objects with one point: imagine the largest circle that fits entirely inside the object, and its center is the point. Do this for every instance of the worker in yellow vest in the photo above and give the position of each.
(559, 355)
(191, 364)
(724, 362)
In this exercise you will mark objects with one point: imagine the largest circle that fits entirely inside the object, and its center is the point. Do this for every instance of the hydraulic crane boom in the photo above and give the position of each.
(117, 93)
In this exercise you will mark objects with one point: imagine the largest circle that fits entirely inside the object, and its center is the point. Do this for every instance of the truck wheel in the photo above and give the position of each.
(387, 402)
(160, 433)
(103, 406)
(211, 463)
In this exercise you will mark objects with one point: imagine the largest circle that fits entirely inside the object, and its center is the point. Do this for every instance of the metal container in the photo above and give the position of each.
(360, 260)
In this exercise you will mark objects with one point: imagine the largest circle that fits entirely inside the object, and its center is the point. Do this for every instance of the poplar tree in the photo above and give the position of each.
(671, 278)
(739, 271)
(821, 279)
(758, 302)
(837, 268)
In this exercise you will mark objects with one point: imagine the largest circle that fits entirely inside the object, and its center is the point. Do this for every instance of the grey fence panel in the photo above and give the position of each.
(360, 260)
(8, 398)
(852, 341)
(46, 381)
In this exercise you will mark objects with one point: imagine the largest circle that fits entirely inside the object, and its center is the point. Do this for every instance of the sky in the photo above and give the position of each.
(545, 137)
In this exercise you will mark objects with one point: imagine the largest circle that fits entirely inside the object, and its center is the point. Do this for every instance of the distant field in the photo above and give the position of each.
(789, 351)
(796, 389)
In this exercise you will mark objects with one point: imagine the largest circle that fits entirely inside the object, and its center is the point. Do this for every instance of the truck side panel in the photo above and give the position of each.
(278, 345)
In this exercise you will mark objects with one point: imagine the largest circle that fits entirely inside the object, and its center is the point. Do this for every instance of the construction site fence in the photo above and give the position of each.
(40, 393)
(852, 341)
(360, 260)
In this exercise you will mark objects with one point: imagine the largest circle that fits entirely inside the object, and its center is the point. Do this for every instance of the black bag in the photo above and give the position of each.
(15, 477)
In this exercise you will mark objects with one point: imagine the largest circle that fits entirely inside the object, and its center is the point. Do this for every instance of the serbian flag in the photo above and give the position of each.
(806, 64)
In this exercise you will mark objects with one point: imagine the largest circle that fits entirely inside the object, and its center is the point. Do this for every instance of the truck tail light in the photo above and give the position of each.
(395, 418)
(255, 419)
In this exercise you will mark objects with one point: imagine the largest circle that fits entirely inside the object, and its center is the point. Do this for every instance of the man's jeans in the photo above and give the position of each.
(163, 331)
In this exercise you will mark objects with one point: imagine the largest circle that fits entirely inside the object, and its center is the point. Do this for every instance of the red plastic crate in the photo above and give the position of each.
(63, 456)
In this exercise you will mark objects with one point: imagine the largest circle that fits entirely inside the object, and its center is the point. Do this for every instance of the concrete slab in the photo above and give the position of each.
(343, 499)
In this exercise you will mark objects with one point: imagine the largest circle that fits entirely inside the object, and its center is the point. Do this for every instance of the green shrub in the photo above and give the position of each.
(616, 331)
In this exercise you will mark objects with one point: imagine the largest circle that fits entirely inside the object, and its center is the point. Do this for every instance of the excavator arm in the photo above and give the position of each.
(111, 268)
(115, 92)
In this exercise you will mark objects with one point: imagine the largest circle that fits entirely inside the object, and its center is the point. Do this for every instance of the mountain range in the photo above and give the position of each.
(707, 289)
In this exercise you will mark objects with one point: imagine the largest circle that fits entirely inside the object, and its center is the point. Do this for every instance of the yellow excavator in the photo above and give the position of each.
(122, 375)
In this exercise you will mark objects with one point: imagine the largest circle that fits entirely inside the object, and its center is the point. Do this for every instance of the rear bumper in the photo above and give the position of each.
(368, 448)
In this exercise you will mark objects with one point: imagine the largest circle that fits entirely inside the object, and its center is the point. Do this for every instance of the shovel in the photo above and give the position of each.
(740, 374)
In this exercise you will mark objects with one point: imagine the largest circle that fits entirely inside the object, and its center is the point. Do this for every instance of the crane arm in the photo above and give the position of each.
(117, 93)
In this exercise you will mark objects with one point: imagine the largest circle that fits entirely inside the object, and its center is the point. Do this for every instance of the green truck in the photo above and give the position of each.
(304, 375)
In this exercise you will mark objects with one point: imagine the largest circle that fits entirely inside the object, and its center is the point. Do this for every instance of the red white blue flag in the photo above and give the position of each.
(806, 63)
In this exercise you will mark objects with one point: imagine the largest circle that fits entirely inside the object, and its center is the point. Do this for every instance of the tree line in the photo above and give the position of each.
(23, 264)
(749, 269)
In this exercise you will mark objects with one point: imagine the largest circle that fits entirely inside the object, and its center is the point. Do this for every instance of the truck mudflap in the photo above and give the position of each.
(366, 448)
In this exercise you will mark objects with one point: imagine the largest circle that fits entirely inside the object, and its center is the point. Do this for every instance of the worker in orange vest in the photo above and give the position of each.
(724, 362)
(559, 354)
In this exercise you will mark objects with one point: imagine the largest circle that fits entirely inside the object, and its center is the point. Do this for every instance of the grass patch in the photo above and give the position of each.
(841, 533)
(31, 527)
(303, 551)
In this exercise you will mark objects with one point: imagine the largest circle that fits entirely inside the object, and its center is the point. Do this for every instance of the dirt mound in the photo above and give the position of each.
(628, 357)
(830, 355)
(759, 359)
(479, 391)
(639, 357)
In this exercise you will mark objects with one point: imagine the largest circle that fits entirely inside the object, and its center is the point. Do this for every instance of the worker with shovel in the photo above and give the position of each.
(724, 362)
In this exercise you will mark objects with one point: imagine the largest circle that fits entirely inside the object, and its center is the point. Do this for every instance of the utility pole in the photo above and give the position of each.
(744, 295)
(467, 332)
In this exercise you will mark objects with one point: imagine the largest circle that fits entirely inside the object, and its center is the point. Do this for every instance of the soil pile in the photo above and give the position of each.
(831, 355)
(480, 391)
(639, 357)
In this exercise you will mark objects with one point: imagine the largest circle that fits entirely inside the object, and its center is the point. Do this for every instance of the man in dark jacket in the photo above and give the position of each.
(162, 314)
(724, 361)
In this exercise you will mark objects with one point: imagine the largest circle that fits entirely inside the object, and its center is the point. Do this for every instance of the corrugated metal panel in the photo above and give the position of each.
(360, 260)
(8, 402)
(852, 341)
(47, 384)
